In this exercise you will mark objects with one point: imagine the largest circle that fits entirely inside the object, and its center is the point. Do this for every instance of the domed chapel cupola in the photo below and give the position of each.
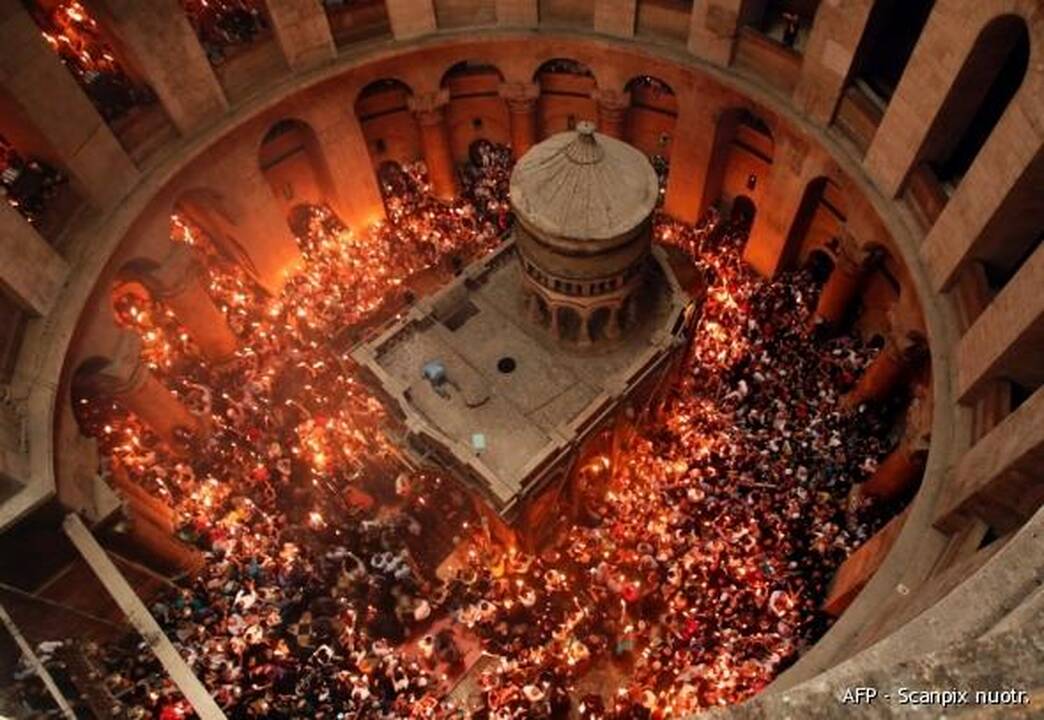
(583, 202)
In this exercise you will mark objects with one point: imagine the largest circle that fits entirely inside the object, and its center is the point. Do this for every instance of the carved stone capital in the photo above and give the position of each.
(429, 108)
(521, 97)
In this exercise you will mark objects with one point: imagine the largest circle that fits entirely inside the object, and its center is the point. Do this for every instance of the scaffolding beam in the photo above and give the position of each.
(140, 617)
(37, 665)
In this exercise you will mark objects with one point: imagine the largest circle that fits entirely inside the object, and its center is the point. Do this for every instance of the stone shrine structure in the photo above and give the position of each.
(516, 376)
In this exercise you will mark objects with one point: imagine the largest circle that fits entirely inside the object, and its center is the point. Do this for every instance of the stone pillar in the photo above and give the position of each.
(521, 99)
(899, 473)
(303, 32)
(584, 334)
(829, 56)
(354, 193)
(616, 17)
(692, 153)
(518, 13)
(612, 112)
(31, 272)
(178, 282)
(33, 77)
(845, 280)
(1005, 340)
(128, 381)
(714, 25)
(429, 109)
(171, 553)
(857, 569)
(998, 479)
(247, 216)
(888, 370)
(158, 36)
(768, 247)
(410, 18)
(612, 328)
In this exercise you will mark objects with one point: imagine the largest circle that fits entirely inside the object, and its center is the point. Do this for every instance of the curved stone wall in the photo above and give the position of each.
(739, 117)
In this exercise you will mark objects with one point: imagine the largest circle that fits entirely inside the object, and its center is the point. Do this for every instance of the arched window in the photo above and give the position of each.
(565, 95)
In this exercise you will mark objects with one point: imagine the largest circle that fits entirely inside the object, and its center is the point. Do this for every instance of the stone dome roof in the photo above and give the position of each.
(582, 190)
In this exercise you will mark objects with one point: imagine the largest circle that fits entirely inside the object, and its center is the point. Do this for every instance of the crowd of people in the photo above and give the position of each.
(222, 25)
(78, 40)
(28, 184)
(691, 583)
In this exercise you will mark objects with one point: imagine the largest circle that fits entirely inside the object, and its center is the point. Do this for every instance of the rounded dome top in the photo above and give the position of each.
(581, 188)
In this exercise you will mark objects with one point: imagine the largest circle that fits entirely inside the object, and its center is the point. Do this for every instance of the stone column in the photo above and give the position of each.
(616, 17)
(768, 247)
(157, 34)
(31, 272)
(829, 56)
(247, 215)
(518, 13)
(845, 280)
(410, 18)
(127, 380)
(303, 32)
(692, 153)
(584, 333)
(34, 79)
(714, 25)
(171, 553)
(1005, 340)
(178, 282)
(521, 99)
(888, 370)
(899, 473)
(354, 193)
(429, 109)
(612, 328)
(612, 112)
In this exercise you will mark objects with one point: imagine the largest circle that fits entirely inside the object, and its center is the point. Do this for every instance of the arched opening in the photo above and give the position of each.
(227, 29)
(476, 109)
(31, 179)
(355, 20)
(651, 117)
(542, 313)
(985, 86)
(110, 80)
(292, 163)
(565, 95)
(891, 33)
(569, 322)
(818, 264)
(820, 218)
(787, 22)
(598, 324)
(743, 152)
(202, 219)
(390, 130)
(742, 212)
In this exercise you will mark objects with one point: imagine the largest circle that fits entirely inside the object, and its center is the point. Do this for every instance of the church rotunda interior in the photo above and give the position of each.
(596, 359)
